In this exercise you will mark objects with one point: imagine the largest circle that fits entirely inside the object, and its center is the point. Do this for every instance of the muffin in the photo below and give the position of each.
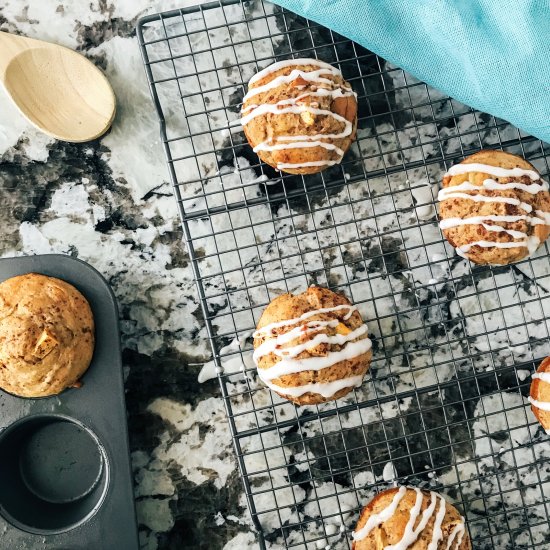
(495, 208)
(434, 523)
(539, 394)
(46, 335)
(312, 347)
(300, 115)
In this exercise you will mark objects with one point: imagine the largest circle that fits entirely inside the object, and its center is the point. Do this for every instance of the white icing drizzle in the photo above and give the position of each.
(544, 376)
(532, 243)
(304, 316)
(447, 223)
(377, 519)
(288, 363)
(264, 146)
(410, 533)
(437, 533)
(295, 109)
(293, 106)
(483, 198)
(273, 345)
(493, 185)
(296, 332)
(531, 188)
(458, 530)
(293, 366)
(456, 191)
(309, 76)
(293, 165)
(544, 215)
(291, 63)
(326, 389)
(542, 405)
(496, 171)
(321, 92)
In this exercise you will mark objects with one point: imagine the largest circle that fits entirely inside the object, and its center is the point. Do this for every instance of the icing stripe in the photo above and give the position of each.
(447, 223)
(293, 165)
(305, 316)
(298, 145)
(326, 389)
(492, 185)
(544, 376)
(496, 171)
(290, 63)
(377, 519)
(410, 533)
(542, 405)
(437, 533)
(532, 243)
(309, 76)
(458, 529)
(273, 108)
(273, 345)
(321, 92)
(483, 198)
(293, 366)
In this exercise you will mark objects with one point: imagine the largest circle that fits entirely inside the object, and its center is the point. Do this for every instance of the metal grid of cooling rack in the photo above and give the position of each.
(444, 406)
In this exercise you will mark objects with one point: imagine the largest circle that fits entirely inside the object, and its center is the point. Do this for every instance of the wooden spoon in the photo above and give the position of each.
(58, 90)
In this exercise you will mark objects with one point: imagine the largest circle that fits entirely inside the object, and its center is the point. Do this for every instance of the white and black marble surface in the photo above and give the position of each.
(109, 203)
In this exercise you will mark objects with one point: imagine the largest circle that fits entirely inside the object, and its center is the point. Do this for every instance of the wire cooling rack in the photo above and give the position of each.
(444, 405)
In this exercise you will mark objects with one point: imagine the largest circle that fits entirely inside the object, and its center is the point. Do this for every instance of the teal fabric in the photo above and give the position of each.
(493, 55)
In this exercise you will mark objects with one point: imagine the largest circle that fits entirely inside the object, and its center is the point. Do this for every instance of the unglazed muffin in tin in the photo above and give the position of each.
(46, 335)
(300, 115)
(312, 347)
(494, 208)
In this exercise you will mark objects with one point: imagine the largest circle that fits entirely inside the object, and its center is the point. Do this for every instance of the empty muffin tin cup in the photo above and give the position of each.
(53, 474)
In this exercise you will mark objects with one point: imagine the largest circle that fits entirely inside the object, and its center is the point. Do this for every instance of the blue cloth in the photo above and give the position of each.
(493, 55)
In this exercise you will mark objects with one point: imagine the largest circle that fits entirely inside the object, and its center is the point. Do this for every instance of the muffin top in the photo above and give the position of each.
(495, 208)
(410, 518)
(300, 115)
(46, 335)
(539, 394)
(312, 346)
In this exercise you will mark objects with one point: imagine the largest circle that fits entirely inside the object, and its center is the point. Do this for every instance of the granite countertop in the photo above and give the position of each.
(109, 203)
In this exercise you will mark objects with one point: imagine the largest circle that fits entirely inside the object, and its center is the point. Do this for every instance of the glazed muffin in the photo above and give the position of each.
(539, 394)
(300, 115)
(312, 347)
(384, 522)
(46, 335)
(495, 208)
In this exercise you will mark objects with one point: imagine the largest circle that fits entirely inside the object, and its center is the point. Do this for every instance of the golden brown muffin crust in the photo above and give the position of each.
(464, 208)
(540, 391)
(288, 306)
(391, 531)
(46, 335)
(268, 127)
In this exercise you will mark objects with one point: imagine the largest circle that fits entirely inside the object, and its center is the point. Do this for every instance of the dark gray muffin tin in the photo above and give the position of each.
(65, 476)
